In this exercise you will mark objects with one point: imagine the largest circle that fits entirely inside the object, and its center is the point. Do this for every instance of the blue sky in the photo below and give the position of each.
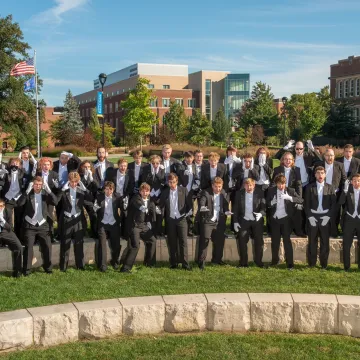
(287, 44)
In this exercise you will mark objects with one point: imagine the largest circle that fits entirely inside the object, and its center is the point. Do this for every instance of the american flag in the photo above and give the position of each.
(23, 68)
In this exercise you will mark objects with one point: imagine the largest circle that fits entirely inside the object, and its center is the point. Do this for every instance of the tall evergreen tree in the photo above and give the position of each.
(176, 121)
(221, 127)
(200, 129)
(69, 126)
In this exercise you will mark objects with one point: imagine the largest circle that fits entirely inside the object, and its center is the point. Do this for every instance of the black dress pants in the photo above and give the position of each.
(281, 228)
(177, 230)
(351, 227)
(112, 233)
(10, 239)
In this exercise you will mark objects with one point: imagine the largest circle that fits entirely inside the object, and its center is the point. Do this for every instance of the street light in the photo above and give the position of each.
(102, 79)
(284, 101)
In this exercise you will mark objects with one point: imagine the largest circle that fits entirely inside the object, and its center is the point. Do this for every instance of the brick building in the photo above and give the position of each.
(51, 114)
(204, 90)
(345, 81)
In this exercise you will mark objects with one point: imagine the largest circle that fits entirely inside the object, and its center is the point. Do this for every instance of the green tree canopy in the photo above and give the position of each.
(200, 129)
(96, 130)
(221, 127)
(176, 121)
(139, 118)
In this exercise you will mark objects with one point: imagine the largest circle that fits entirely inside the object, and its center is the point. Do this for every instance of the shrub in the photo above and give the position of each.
(55, 152)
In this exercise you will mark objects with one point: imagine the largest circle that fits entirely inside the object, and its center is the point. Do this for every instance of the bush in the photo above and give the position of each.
(55, 152)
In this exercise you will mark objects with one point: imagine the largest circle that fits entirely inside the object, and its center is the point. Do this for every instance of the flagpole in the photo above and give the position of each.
(37, 110)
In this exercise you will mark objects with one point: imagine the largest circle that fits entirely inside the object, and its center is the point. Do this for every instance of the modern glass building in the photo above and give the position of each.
(237, 91)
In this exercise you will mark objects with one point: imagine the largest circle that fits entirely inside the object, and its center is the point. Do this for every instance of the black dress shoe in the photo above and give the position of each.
(242, 266)
(290, 268)
(201, 265)
(48, 271)
(172, 267)
(115, 266)
(16, 274)
(27, 273)
(81, 268)
(102, 269)
(186, 267)
(125, 270)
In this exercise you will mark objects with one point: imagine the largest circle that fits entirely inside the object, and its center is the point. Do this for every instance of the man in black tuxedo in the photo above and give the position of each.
(320, 207)
(107, 205)
(28, 164)
(335, 176)
(249, 211)
(247, 170)
(293, 181)
(211, 170)
(136, 170)
(214, 208)
(350, 220)
(37, 201)
(177, 204)
(280, 201)
(170, 164)
(351, 163)
(72, 198)
(67, 162)
(141, 216)
(102, 167)
(8, 237)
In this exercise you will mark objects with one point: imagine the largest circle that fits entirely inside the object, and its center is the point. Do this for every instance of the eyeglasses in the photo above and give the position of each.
(299, 149)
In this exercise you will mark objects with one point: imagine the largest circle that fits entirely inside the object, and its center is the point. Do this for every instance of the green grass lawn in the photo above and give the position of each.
(203, 347)
(41, 289)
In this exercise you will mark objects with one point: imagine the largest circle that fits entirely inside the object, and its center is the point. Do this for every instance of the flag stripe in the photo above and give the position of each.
(23, 68)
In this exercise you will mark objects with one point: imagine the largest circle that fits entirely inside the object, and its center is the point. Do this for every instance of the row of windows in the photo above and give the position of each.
(152, 86)
(348, 88)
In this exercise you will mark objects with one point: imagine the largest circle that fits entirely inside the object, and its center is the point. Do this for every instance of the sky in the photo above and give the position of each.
(289, 45)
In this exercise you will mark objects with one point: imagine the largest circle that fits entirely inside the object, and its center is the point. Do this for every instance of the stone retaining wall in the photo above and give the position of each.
(297, 313)
(230, 252)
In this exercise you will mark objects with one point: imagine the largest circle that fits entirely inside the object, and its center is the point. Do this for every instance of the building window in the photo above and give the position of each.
(87, 112)
(153, 102)
(340, 92)
(105, 109)
(346, 91)
(166, 86)
(116, 106)
(150, 86)
(352, 87)
(208, 99)
(357, 114)
(357, 87)
(164, 120)
(110, 108)
(165, 102)
(117, 92)
(192, 103)
(180, 101)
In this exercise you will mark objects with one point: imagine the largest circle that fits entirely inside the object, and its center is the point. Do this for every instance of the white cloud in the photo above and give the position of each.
(56, 13)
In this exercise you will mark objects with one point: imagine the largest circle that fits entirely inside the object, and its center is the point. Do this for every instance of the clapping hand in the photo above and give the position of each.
(289, 145)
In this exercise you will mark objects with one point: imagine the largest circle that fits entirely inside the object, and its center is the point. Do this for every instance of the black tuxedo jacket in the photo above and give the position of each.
(109, 166)
(92, 186)
(128, 184)
(52, 176)
(28, 174)
(135, 216)
(207, 199)
(205, 181)
(310, 157)
(156, 181)
(7, 218)
(294, 178)
(289, 206)
(348, 199)
(116, 205)
(82, 198)
(259, 204)
(236, 170)
(72, 164)
(184, 178)
(354, 167)
(339, 175)
(254, 173)
(174, 164)
(7, 182)
(131, 169)
(184, 201)
(312, 201)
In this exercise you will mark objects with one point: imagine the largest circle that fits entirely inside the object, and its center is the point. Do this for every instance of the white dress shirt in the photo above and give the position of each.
(346, 164)
(63, 171)
(280, 205)
(14, 189)
(213, 172)
(120, 181)
(249, 206)
(356, 198)
(45, 176)
(263, 177)
(246, 173)
(73, 201)
(216, 203)
(26, 165)
(329, 172)
(108, 212)
(137, 172)
(174, 208)
(38, 217)
(166, 164)
(300, 163)
(191, 176)
(320, 190)
(198, 170)
(287, 174)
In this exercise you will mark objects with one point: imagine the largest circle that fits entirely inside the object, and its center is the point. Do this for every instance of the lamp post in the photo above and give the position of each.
(102, 79)
(284, 101)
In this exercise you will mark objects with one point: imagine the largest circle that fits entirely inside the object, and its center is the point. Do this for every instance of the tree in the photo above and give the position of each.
(176, 121)
(96, 130)
(200, 128)
(257, 135)
(221, 127)
(139, 118)
(341, 122)
(17, 109)
(69, 126)
(260, 110)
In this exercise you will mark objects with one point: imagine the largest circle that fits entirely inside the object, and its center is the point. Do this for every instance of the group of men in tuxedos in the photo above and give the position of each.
(309, 193)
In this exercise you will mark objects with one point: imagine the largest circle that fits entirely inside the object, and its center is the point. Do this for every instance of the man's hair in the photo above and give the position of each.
(38, 179)
(45, 159)
(2, 201)
(15, 159)
(100, 147)
(80, 168)
(231, 148)
(74, 176)
(144, 186)
(214, 155)
(283, 157)
(172, 176)
(218, 180)
(26, 147)
(109, 184)
(261, 149)
(122, 160)
(355, 176)
(280, 179)
(320, 168)
(247, 156)
(197, 151)
(249, 180)
(155, 157)
(188, 154)
(166, 147)
(137, 153)
(348, 146)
